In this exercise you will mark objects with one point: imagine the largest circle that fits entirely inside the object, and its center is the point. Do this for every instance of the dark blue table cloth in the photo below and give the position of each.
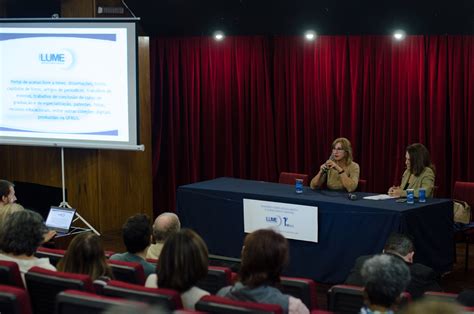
(347, 228)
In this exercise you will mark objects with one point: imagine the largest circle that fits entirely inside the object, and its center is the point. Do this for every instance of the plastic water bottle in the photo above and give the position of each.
(410, 196)
(422, 195)
(299, 186)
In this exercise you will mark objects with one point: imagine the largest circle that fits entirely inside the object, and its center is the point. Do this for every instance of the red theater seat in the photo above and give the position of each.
(217, 278)
(80, 302)
(10, 274)
(290, 177)
(14, 300)
(301, 288)
(166, 298)
(128, 271)
(43, 286)
(215, 304)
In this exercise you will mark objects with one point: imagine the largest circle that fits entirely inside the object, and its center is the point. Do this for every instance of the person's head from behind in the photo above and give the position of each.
(385, 278)
(7, 192)
(136, 233)
(264, 256)
(342, 150)
(417, 158)
(22, 233)
(85, 255)
(183, 261)
(165, 225)
(400, 245)
(427, 306)
(9, 209)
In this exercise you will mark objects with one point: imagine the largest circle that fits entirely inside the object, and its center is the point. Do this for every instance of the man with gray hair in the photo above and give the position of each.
(423, 278)
(165, 225)
(385, 278)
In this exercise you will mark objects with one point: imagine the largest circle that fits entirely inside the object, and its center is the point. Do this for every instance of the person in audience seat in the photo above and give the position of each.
(85, 255)
(9, 209)
(420, 172)
(423, 278)
(182, 263)
(20, 236)
(136, 234)
(385, 278)
(7, 193)
(165, 225)
(264, 255)
(339, 171)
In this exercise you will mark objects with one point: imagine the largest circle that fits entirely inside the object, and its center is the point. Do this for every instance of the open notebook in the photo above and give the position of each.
(60, 219)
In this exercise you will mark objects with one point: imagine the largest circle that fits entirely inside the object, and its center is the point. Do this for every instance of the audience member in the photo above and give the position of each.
(264, 255)
(85, 255)
(466, 297)
(20, 236)
(385, 278)
(165, 225)
(426, 306)
(7, 193)
(423, 278)
(182, 263)
(8, 209)
(419, 173)
(339, 171)
(136, 233)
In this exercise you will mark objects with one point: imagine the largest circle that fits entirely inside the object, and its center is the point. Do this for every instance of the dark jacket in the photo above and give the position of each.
(423, 278)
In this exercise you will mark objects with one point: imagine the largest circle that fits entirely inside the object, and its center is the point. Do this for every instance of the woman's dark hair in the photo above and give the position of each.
(419, 158)
(183, 261)
(264, 255)
(85, 255)
(22, 233)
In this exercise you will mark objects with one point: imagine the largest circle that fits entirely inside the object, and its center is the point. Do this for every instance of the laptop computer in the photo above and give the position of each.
(60, 219)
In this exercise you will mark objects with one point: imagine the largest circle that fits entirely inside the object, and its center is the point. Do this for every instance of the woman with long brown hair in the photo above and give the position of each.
(85, 255)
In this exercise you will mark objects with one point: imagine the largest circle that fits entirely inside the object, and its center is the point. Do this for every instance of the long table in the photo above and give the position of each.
(347, 228)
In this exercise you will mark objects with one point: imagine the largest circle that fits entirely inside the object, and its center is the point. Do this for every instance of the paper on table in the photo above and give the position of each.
(378, 197)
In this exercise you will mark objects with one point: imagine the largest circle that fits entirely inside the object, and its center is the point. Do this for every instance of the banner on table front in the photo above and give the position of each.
(297, 222)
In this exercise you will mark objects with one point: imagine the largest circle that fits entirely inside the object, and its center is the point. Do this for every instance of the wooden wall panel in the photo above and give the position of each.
(78, 8)
(129, 173)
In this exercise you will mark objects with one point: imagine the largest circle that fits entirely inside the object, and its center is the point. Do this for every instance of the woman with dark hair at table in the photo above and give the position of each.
(339, 171)
(419, 173)
(264, 255)
(85, 255)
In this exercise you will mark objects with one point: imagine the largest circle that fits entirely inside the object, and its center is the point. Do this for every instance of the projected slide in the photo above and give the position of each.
(67, 83)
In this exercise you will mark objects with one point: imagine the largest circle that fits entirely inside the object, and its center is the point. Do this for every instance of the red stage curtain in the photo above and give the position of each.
(250, 107)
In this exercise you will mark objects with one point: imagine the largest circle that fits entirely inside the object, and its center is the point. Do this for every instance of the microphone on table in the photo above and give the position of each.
(352, 196)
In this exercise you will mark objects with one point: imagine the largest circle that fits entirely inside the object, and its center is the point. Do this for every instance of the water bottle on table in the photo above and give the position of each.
(299, 186)
(410, 196)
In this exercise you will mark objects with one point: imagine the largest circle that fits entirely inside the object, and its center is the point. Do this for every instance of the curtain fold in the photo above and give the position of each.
(251, 107)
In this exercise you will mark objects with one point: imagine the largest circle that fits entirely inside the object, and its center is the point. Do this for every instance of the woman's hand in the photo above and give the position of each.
(332, 165)
(395, 191)
(323, 168)
(49, 235)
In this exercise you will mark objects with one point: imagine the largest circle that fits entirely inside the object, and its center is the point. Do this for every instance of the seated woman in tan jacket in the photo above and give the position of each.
(420, 172)
(339, 172)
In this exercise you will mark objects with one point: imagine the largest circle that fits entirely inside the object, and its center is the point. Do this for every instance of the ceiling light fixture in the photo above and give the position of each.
(399, 34)
(219, 35)
(310, 35)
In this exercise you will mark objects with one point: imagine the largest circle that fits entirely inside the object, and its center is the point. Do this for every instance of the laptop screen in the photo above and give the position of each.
(60, 218)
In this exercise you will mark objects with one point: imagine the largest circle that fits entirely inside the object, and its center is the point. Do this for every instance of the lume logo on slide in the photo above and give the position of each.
(63, 58)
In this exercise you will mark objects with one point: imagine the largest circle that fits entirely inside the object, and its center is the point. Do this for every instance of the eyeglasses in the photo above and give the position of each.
(340, 149)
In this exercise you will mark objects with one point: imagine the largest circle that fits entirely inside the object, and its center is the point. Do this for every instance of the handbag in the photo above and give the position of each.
(462, 211)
